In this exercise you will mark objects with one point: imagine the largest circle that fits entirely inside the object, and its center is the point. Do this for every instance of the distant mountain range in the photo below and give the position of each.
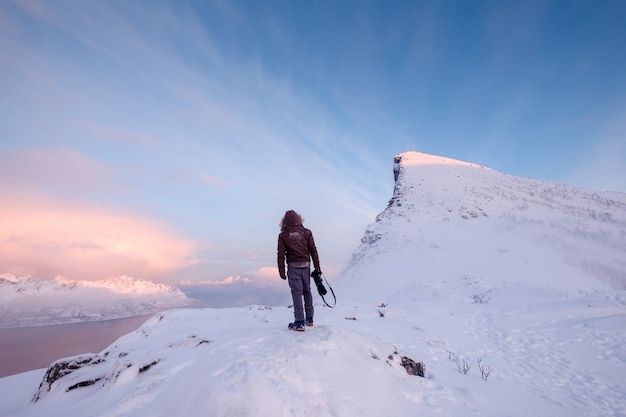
(31, 301)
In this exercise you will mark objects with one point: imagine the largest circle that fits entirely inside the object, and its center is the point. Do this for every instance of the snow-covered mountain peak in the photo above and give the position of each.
(455, 219)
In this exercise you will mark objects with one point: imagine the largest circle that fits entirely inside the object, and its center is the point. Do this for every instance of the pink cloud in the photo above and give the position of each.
(268, 274)
(44, 237)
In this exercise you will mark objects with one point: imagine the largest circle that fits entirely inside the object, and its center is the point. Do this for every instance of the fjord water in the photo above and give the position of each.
(24, 349)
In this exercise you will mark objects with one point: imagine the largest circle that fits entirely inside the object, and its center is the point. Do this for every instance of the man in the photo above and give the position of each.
(296, 245)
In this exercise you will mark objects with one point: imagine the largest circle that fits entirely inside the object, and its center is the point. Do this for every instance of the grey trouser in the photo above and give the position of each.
(300, 284)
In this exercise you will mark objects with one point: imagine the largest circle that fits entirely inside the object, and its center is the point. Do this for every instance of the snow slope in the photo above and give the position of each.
(30, 301)
(510, 290)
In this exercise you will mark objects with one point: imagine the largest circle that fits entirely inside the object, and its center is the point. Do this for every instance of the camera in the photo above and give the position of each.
(317, 277)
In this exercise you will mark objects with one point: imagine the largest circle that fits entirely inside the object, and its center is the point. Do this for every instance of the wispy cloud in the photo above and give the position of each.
(53, 169)
(114, 135)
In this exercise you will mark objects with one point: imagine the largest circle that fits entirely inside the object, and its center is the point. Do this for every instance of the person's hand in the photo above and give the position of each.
(283, 276)
(316, 274)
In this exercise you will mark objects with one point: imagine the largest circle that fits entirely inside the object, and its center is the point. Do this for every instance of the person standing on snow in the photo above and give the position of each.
(296, 245)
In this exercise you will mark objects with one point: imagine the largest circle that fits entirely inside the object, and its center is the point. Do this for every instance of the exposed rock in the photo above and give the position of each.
(83, 384)
(62, 368)
(148, 366)
(412, 367)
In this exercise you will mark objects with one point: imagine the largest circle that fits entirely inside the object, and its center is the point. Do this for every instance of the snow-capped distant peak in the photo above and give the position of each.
(7, 278)
(127, 285)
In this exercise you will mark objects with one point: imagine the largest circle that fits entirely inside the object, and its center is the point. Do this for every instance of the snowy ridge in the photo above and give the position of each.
(510, 290)
(30, 301)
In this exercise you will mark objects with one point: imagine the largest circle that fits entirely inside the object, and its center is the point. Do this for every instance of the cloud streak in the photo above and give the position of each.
(53, 169)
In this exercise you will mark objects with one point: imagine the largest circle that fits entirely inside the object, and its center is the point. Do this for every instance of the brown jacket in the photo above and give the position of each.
(295, 243)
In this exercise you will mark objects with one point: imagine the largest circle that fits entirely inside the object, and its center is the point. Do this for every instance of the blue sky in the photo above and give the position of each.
(165, 140)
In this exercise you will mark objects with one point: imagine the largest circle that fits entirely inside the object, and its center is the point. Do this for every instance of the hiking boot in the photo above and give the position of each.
(298, 326)
(309, 322)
